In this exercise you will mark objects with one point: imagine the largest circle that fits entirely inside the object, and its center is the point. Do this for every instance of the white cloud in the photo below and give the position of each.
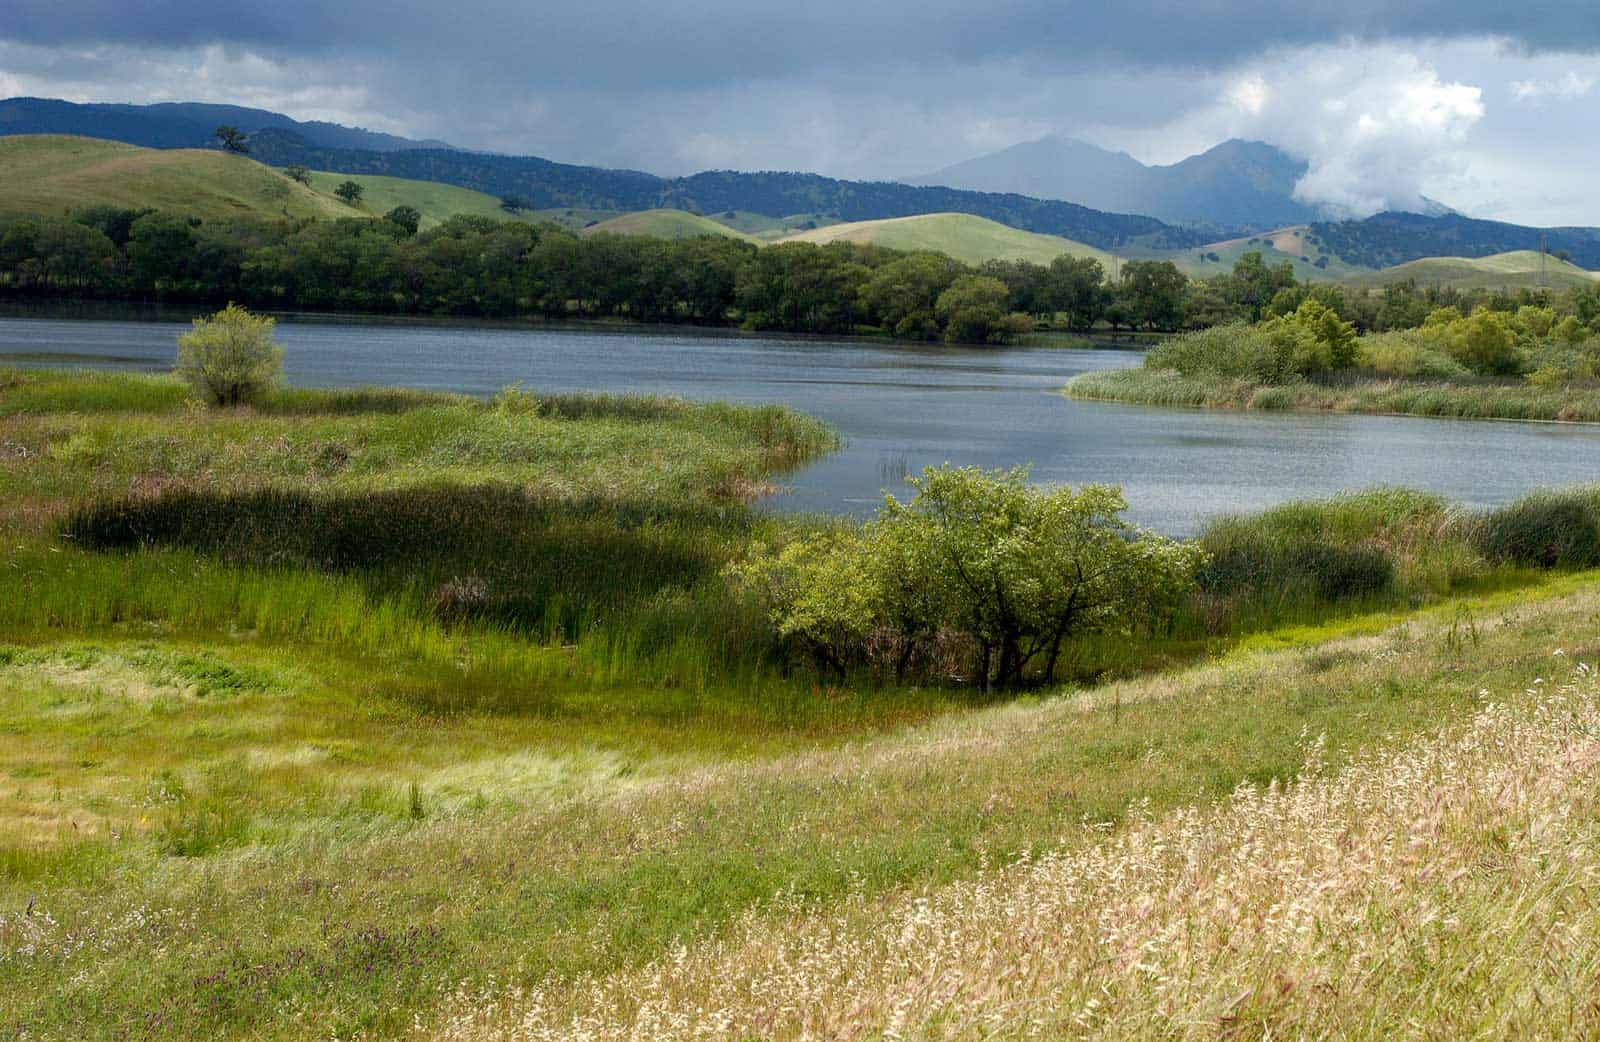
(226, 75)
(1565, 88)
(1376, 125)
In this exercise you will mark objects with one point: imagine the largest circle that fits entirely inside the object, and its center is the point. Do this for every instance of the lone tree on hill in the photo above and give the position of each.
(513, 203)
(349, 191)
(233, 139)
(230, 358)
(407, 217)
(297, 172)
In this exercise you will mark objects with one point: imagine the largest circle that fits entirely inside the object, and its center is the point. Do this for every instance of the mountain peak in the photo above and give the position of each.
(1237, 184)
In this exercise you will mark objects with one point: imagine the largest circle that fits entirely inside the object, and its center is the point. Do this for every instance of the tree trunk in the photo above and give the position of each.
(903, 662)
(1050, 662)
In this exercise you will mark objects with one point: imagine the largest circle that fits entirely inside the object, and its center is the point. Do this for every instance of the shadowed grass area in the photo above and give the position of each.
(580, 537)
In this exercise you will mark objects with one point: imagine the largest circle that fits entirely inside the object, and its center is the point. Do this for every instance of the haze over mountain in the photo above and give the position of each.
(1237, 184)
(182, 124)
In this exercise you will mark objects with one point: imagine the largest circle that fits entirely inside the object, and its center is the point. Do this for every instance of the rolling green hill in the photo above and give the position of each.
(1298, 244)
(666, 224)
(53, 174)
(963, 236)
(434, 200)
(764, 227)
(1512, 270)
(438, 202)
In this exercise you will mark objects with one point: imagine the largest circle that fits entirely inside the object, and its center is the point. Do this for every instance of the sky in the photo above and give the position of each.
(1488, 106)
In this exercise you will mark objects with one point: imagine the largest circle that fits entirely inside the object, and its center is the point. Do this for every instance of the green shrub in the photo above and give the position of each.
(230, 358)
(1485, 342)
(1407, 355)
(1274, 352)
(1010, 569)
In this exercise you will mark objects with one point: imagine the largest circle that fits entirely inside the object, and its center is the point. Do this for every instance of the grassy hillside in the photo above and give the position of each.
(434, 200)
(764, 227)
(1312, 260)
(666, 224)
(53, 174)
(963, 236)
(1511, 270)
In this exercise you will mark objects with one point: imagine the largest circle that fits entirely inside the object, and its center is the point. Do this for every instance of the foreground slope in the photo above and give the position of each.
(962, 236)
(321, 783)
(52, 174)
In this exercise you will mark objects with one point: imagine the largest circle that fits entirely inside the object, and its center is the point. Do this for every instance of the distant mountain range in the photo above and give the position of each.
(543, 184)
(182, 124)
(1235, 190)
(1235, 185)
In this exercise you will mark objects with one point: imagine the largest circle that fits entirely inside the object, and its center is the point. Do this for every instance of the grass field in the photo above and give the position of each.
(962, 236)
(436, 202)
(382, 714)
(50, 174)
(666, 224)
(770, 228)
(227, 835)
(1515, 270)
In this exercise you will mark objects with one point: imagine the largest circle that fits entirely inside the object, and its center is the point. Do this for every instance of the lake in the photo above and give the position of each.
(903, 407)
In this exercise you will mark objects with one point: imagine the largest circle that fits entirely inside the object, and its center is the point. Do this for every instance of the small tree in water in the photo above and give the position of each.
(231, 357)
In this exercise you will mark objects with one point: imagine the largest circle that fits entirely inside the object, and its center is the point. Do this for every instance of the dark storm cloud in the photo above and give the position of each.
(631, 44)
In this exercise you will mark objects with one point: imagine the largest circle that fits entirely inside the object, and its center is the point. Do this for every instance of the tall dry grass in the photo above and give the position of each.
(1445, 889)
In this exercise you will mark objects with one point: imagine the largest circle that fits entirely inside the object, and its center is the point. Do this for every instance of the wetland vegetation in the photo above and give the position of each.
(382, 713)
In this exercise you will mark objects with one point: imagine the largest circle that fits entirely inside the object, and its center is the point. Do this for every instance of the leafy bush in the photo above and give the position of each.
(1273, 352)
(974, 310)
(1408, 355)
(230, 358)
(1011, 569)
(1485, 342)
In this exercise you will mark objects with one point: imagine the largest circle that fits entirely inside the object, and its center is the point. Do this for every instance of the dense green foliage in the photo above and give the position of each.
(483, 266)
(980, 570)
(480, 266)
(1533, 361)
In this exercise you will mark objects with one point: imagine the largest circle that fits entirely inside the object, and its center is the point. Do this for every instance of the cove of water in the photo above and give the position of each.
(902, 407)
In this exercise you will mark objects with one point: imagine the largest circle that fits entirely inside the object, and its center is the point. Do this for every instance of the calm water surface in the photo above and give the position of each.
(901, 408)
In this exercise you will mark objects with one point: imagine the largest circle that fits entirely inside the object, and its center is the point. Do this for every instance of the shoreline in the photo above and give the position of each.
(1369, 397)
(158, 312)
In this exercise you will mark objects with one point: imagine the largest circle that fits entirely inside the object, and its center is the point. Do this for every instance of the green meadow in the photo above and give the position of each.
(52, 174)
(969, 239)
(327, 715)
